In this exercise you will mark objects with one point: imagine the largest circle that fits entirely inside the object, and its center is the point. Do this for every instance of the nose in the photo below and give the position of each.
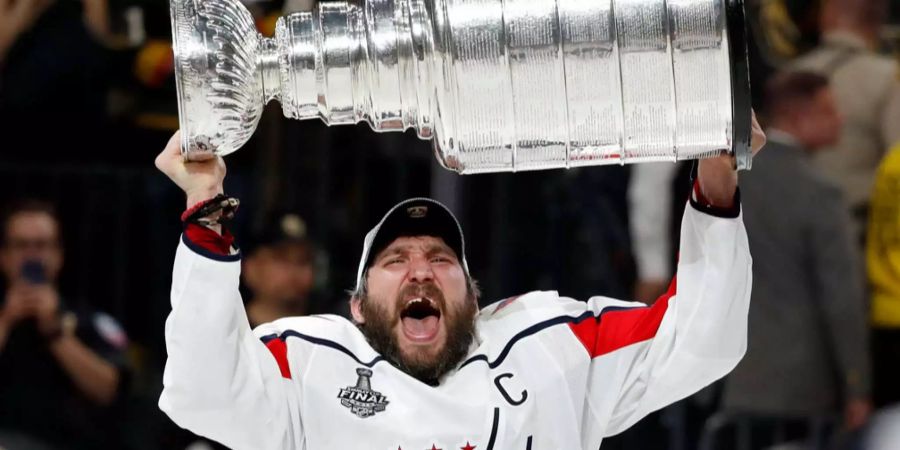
(420, 270)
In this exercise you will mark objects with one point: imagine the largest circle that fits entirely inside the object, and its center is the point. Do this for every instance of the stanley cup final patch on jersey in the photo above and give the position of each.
(361, 399)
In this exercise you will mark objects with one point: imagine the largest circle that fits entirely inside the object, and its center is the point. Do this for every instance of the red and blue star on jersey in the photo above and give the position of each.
(434, 447)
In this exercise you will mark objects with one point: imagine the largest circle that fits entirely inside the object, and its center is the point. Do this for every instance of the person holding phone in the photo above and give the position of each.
(61, 369)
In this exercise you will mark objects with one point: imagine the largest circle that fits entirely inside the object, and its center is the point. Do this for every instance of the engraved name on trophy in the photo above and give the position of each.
(499, 85)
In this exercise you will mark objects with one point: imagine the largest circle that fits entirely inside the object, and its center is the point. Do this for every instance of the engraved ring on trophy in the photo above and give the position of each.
(498, 85)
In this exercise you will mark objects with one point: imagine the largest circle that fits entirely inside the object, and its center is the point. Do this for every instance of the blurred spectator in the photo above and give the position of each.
(867, 93)
(651, 212)
(807, 354)
(54, 74)
(883, 257)
(61, 367)
(279, 270)
(783, 28)
(18, 17)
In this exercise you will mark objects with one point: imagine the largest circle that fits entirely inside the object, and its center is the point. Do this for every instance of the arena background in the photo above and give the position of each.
(83, 120)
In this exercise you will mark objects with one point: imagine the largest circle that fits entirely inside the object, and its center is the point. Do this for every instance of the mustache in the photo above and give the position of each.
(427, 289)
(379, 330)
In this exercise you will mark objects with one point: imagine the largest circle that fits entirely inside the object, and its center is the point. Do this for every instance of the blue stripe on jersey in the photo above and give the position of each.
(208, 254)
(540, 326)
(492, 364)
(320, 341)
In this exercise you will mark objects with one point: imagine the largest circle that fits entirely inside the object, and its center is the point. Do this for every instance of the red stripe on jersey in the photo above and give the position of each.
(616, 329)
(698, 193)
(279, 351)
(209, 240)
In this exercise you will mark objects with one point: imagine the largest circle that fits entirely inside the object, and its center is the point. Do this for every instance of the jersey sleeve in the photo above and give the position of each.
(645, 357)
(221, 381)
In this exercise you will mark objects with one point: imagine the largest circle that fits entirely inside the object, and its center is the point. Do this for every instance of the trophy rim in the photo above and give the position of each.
(176, 12)
(741, 98)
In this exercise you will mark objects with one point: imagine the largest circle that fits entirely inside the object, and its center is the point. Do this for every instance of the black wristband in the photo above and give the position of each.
(203, 212)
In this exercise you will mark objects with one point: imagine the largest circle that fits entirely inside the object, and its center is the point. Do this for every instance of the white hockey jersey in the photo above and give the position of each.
(545, 372)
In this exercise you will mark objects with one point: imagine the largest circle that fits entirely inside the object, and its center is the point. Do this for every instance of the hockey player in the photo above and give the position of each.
(419, 366)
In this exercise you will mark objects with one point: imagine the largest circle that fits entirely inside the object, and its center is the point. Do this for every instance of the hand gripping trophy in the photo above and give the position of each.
(498, 85)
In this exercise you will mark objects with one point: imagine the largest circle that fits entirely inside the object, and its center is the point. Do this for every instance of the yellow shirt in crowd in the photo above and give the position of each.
(883, 248)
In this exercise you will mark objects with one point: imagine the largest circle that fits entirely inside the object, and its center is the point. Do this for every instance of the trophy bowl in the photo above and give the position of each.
(519, 85)
(220, 88)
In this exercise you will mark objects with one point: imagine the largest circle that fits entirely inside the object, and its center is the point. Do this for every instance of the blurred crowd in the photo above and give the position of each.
(87, 99)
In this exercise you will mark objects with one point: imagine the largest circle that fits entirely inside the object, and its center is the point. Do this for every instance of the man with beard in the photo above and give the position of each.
(420, 366)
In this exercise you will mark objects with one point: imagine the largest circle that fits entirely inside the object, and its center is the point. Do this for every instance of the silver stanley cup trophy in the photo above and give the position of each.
(499, 85)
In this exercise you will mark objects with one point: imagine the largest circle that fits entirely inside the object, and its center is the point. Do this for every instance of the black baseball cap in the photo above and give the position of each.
(418, 216)
(279, 229)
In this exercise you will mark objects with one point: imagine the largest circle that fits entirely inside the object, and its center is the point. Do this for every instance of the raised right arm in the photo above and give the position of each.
(220, 380)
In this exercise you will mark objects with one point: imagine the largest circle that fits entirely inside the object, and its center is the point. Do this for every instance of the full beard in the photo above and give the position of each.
(380, 324)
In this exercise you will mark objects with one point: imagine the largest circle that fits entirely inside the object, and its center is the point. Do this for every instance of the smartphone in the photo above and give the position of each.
(34, 272)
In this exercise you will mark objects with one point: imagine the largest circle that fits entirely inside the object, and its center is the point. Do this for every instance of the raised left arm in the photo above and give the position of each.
(643, 359)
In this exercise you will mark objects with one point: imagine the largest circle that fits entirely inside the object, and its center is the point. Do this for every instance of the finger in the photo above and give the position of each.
(171, 153)
(173, 147)
(758, 137)
(759, 141)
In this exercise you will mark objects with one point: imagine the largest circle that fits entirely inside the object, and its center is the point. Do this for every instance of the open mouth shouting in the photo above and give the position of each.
(420, 319)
